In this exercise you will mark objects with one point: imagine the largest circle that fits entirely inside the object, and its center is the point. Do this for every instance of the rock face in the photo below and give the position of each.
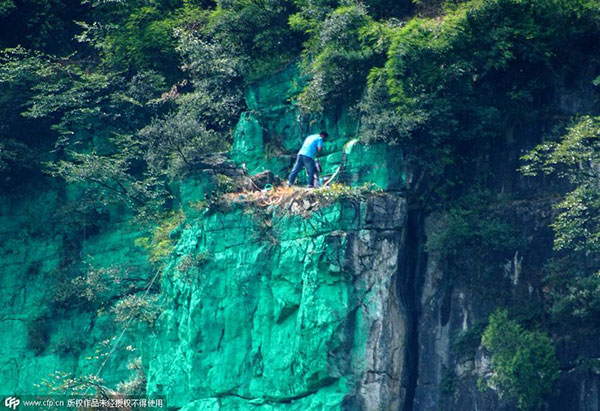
(28, 257)
(46, 326)
(291, 312)
(447, 374)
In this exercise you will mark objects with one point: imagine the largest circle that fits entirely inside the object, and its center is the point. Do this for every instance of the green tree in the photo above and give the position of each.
(256, 32)
(176, 142)
(341, 50)
(572, 276)
(523, 362)
(575, 157)
(133, 36)
(461, 84)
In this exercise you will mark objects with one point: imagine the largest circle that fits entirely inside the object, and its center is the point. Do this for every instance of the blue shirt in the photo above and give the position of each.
(310, 146)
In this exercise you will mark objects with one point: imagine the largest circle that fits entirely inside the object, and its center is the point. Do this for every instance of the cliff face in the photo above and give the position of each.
(313, 306)
(29, 256)
(299, 313)
(48, 323)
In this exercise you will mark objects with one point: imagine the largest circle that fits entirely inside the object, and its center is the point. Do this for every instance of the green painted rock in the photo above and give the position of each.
(271, 310)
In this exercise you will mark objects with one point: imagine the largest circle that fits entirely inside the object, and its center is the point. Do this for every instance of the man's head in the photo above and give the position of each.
(324, 134)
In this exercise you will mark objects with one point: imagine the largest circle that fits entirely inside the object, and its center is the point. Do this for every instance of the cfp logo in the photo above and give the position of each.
(12, 402)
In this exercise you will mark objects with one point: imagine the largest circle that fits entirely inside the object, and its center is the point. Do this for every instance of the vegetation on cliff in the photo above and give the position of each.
(114, 103)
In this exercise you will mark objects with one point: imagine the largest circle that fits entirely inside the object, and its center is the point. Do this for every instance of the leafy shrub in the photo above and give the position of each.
(338, 57)
(257, 32)
(572, 289)
(575, 157)
(225, 184)
(460, 82)
(380, 119)
(448, 382)
(523, 362)
(87, 118)
(160, 244)
(136, 309)
(466, 343)
(217, 76)
(174, 143)
(580, 298)
(572, 280)
(144, 40)
(487, 64)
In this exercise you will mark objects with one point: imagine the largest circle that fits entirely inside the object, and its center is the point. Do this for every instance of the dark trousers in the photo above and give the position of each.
(301, 162)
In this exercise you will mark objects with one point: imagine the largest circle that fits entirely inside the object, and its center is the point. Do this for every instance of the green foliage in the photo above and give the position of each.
(84, 107)
(572, 281)
(575, 157)
(225, 184)
(90, 116)
(380, 118)
(471, 73)
(45, 25)
(341, 50)
(458, 83)
(174, 143)
(6, 7)
(161, 244)
(466, 343)
(257, 32)
(21, 145)
(580, 298)
(92, 289)
(523, 362)
(201, 123)
(571, 287)
(146, 41)
(136, 36)
(111, 180)
(448, 383)
(216, 74)
(13, 154)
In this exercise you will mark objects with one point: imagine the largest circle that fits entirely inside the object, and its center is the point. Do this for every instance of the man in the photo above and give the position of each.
(306, 157)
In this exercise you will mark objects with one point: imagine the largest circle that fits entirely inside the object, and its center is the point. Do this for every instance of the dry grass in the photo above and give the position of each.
(300, 200)
(282, 196)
